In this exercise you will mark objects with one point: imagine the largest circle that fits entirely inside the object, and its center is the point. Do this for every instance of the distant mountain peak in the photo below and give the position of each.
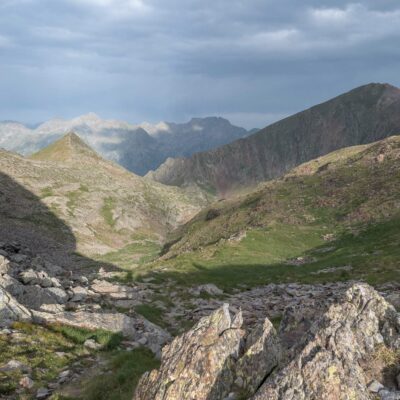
(68, 148)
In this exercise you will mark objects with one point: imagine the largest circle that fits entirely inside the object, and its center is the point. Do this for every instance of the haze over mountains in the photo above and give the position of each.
(139, 148)
(363, 115)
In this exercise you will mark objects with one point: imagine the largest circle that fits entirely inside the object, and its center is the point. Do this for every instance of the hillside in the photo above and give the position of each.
(363, 115)
(138, 148)
(336, 213)
(67, 192)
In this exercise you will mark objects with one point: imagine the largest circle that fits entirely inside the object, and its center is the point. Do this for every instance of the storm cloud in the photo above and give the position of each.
(252, 61)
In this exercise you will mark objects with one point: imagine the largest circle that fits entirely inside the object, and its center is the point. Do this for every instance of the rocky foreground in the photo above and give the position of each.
(334, 340)
(350, 351)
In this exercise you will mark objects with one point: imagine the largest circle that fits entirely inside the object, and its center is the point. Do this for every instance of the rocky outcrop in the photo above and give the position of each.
(334, 357)
(134, 328)
(34, 290)
(363, 115)
(11, 310)
(326, 364)
(197, 365)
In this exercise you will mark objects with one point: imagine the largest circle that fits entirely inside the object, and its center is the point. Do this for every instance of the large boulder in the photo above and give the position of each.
(11, 310)
(199, 364)
(327, 364)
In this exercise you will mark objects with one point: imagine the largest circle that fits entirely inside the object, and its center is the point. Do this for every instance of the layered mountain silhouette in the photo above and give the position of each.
(363, 115)
(138, 148)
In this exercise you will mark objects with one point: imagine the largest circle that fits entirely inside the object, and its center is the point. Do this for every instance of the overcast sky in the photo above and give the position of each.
(252, 61)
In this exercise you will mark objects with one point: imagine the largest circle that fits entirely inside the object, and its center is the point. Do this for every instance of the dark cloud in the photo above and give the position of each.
(253, 61)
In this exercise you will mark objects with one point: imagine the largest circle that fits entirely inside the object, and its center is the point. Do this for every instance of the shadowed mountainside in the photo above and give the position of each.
(363, 115)
(29, 223)
(105, 206)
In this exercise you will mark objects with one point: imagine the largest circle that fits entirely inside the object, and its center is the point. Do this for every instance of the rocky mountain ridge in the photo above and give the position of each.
(361, 116)
(138, 148)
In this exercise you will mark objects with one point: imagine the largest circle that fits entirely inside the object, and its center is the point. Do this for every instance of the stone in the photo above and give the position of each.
(15, 365)
(59, 294)
(11, 310)
(375, 386)
(19, 258)
(26, 382)
(142, 341)
(29, 277)
(394, 299)
(34, 296)
(118, 292)
(91, 344)
(197, 364)
(4, 265)
(79, 293)
(208, 288)
(42, 393)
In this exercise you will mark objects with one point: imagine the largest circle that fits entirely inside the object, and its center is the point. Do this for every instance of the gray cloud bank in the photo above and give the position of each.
(252, 61)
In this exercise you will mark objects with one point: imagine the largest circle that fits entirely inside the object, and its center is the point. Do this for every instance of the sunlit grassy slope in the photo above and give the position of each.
(340, 213)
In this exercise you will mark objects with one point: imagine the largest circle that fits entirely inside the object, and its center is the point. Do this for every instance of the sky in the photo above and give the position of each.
(251, 61)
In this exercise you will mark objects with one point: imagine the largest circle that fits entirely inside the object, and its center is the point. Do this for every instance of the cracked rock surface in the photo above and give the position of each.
(218, 359)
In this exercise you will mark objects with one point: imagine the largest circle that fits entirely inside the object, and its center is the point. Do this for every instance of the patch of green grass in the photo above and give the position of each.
(127, 368)
(107, 211)
(138, 252)
(108, 340)
(36, 347)
(276, 321)
(152, 313)
(261, 258)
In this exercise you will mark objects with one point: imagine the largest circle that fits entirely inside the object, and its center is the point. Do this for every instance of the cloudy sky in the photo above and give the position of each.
(252, 61)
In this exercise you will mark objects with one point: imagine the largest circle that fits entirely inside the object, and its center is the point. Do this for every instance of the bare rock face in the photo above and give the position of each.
(326, 364)
(262, 355)
(11, 310)
(199, 364)
(328, 357)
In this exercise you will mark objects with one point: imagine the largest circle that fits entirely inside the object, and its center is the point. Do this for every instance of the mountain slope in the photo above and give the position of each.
(104, 206)
(139, 148)
(335, 213)
(363, 115)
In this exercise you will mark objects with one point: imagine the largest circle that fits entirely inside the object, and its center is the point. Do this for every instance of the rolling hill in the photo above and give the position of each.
(363, 115)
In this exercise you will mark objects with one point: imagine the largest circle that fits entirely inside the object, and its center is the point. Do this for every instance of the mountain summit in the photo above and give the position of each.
(69, 148)
(363, 115)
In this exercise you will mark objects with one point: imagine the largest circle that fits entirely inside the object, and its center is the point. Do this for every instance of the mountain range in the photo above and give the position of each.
(138, 148)
(363, 115)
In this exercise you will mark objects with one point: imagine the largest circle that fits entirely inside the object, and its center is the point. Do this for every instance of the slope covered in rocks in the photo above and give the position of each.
(363, 115)
(68, 194)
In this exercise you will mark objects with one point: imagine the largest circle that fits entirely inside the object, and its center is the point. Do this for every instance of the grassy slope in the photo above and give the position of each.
(105, 206)
(337, 211)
